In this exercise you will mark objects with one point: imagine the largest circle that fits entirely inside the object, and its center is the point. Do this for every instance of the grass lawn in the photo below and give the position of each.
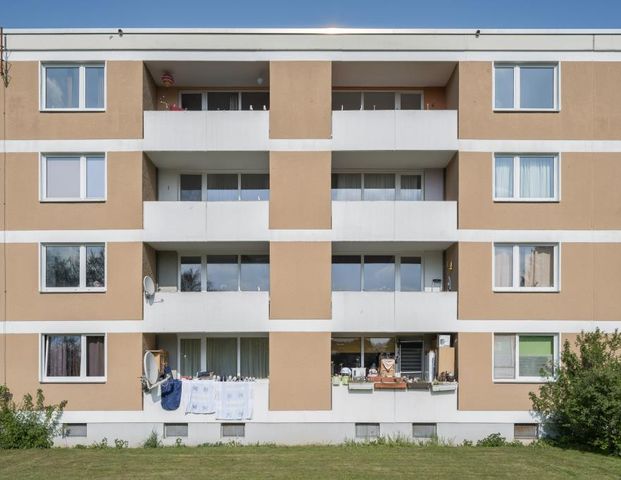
(251, 462)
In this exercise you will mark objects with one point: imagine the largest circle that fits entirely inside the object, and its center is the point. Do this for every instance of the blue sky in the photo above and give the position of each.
(312, 13)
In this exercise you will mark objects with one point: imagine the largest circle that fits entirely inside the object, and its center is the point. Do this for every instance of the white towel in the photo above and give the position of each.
(202, 396)
(234, 401)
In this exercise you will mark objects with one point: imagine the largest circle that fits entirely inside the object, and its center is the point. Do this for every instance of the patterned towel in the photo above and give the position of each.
(202, 397)
(234, 401)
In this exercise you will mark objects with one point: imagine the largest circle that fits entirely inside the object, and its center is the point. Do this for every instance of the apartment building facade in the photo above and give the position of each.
(306, 201)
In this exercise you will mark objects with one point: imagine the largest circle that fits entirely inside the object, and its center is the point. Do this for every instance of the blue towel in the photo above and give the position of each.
(171, 394)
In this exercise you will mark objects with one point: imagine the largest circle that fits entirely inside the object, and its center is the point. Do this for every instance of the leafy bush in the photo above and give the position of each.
(29, 424)
(493, 440)
(102, 444)
(120, 444)
(582, 407)
(152, 441)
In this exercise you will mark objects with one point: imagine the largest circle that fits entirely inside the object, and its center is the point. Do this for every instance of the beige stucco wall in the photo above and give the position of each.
(122, 209)
(300, 371)
(477, 390)
(122, 118)
(121, 391)
(590, 105)
(121, 301)
(588, 277)
(589, 195)
(300, 280)
(300, 190)
(300, 99)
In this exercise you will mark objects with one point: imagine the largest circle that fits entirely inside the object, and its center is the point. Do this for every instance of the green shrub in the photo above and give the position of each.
(493, 440)
(102, 444)
(152, 441)
(29, 424)
(120, 444)
(582, 406)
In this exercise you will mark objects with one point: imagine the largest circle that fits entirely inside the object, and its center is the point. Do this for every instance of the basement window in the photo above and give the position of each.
(233, 430)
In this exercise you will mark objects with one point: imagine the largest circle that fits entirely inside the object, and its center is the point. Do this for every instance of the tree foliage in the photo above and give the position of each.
(582, 406)
(29, 424)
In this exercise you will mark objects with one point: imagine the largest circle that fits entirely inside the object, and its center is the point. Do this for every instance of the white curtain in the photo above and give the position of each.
(536, 177)
(379, 186)
(536, 266)
(503, 265)
(346, 186)
(504, 356)
(504, 177)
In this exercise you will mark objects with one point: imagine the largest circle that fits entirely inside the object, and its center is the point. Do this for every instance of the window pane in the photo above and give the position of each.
(191, 186)
(62, 87)
(95, 266)
(222, 356)
(537, 177)
(62, 266)
(192, 101)
(346, 186)
(504, 356)
(345, 353)
(190, 356)
(95, 177)
(379, 100)
(503, 265)
(222, 187)
(374, 348)
(537, 87)
(536, 355)
(62, 177)
(222, 273)
(255, 100)
(255, 273)
(346, 101)
(411, 274)
(411, 188)
(379, 273)
(379, 186)
(346, 271)
(94, 87)
(503, 183)
(222, 101)
(503, 87)
(63, 355)
(254, 357)
(255, 186)
(536, 266)
(190, 271)
(411, 101)
(95, 357)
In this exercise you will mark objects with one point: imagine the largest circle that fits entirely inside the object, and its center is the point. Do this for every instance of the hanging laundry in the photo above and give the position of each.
(234, 401)
(202, 396)
(171, 394)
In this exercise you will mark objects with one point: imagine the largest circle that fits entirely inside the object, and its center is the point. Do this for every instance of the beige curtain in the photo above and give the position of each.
(537, 265)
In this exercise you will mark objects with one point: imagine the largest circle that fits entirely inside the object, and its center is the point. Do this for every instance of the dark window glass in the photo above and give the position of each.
(255, 186)
(95, 266)
(346, 186)
(379, 100)
(411, 101)
(346, 273)
(95, 357)
(192, 101)
(379, 273)
(62, 266)
(222, 187)
(222, 101)
(411, 273)
(190, 271)
(345, 353)
(346, 100)
(255, 273)
(64, 353)
(255, 100)
(191, 186)
(222, 273)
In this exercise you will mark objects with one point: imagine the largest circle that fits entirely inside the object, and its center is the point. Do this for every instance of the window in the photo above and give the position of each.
(346, 352)
(189, 356)
(525, 357)
(424, 430)
(192, 101)
(254, 357)
(191, 187)
(233, 430)
(377, 187)
(175, 430)
(379, 273)
(73, 87)
(376, 273)
(375, 348)
(224, 187)
(73, 268)
(526, 178)
(411, 273)
(190, 272)
(74, 358)
(526, 87)
(75, 430)
(73, 177)
(225, 101)
(255, 101)
(222, 356)
(526, 431)
(346, 273)
(367, 431)
(377, 100)
(255, 186)
(526, 267)
(224, 273)
(232, 356)
(255, 273)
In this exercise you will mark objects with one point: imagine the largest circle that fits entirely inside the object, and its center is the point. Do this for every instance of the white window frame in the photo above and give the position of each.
(83, 378)
(398, 175)
(516, 339)
(43, 288)
(81, 85)
(516, 267)
(516, 86)
(83, 178)
(517, 178)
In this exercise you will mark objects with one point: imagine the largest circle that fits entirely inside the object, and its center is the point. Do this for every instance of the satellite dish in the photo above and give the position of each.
(151, 372)
(149, 286)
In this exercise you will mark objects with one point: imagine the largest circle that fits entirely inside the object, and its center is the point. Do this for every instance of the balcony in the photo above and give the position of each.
(205, 221)
(394, 221)
(206, 130)
(214, 312)
(394, 311)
